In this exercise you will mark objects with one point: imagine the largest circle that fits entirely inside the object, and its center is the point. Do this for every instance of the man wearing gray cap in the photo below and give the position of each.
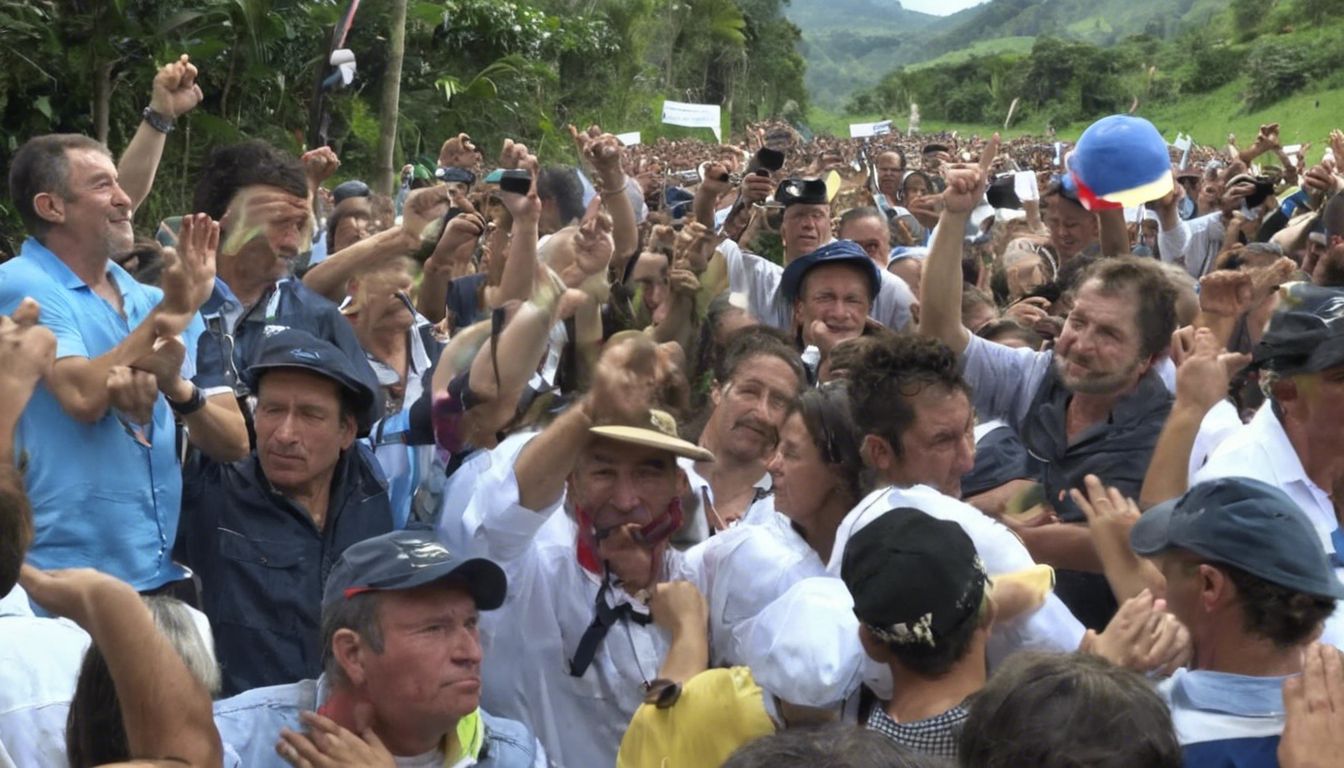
(401, 669)
(1245, 573)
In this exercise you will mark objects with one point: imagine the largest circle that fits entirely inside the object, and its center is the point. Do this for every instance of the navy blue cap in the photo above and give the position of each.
(1306, 334)
(408, 559)
(294, 348)
(349, 189)
(801, 192)
(1246, 524)
(836, 252)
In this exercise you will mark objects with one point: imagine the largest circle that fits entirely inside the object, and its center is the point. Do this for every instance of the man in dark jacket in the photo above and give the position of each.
(263, 532)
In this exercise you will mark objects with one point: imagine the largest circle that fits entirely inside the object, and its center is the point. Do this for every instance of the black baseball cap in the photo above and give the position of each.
(801, 192)
(407, 559)
(348, 189)
(915, 579)
(1306, 334)
(835, 252)
(1246, 524)
(295, 348)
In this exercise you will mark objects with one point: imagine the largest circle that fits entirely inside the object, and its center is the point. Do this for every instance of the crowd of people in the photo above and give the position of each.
(898, 451)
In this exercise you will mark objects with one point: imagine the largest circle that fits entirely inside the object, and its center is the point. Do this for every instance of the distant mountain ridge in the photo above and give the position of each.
(850, 44)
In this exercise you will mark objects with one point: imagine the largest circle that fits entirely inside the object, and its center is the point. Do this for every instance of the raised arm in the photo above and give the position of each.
(520, 267)
(623, 386)
(940, 286)
(175, 94)
(603, 152)
(165, 709)
(80, 383)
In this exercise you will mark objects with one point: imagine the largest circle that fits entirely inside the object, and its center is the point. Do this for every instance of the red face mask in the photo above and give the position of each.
(649, 535)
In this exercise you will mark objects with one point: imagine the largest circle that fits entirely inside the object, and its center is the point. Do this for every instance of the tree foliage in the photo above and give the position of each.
(492, 68)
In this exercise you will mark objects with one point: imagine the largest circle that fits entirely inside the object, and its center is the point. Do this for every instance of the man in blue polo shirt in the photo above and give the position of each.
(264, 532)
(1248, 577)
(97, 440)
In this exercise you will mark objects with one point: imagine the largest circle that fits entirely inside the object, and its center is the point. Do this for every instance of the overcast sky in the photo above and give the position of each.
(939, 7)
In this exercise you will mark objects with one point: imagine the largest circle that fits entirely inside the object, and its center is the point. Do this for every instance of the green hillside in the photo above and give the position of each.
(850, 44)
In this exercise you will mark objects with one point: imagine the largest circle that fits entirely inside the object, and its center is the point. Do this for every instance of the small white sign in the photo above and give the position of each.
(694, 116)
(630, 139)
(865, 130)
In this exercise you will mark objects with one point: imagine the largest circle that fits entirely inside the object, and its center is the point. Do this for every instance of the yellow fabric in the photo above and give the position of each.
(719, 711)
(470, 739)
(1139, 195)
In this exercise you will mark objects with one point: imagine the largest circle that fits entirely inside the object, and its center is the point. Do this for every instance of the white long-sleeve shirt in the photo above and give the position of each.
(1193, 244)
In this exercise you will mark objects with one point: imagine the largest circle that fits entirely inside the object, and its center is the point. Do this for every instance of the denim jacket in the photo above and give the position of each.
(249, 725)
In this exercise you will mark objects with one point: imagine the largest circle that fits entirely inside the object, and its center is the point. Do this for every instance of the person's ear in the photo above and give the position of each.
(1284, 390)
(716, 393)
(349, 428)
(876, 649)
(877, 453)
(49, 207)
(349, 650)
(1214, 587)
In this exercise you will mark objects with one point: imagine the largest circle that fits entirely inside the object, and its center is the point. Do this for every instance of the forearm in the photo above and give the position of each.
(1220, 325)
(940, 286)
(1033, 209)
(687, 656)
(329, 277)
(515, 283)
(503, 365)
(140, 163)
(677, 325)
(218, 429)
(1127, 573)
(1062, 545)
(588, 328)
(624, 229)
(79, 384)
(544, 464)
(702, 206)
(1114, 232)
(1167, 470)
(166, 711)
(432, 297)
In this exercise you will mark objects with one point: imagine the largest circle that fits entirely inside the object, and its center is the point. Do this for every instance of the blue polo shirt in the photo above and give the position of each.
(101, 498)
(1224, 720)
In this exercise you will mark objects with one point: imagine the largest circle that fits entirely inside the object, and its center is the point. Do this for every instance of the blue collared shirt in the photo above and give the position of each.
(1224, 720)
(101, 498)
(249, 725)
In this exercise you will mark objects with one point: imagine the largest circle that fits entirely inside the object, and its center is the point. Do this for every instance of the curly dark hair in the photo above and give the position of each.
(889, 373)
(229, 169)
(1285, 616)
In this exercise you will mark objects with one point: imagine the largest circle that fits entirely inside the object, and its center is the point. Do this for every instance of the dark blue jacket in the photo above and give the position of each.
(222, 356)
(262, 561)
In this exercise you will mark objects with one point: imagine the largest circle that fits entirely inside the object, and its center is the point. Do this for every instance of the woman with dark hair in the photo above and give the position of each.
(817, 470)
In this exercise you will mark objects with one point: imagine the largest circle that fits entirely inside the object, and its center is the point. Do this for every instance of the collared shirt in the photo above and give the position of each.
(234, 334)
(528, 644)
(1020, 386)
(1194, 244)
(249, 725)
(1224, 720)
(39, 665)
(758, 279)
(1261, 451)
(698, 514)
(105, 495)
(262, 561)
(935, 735)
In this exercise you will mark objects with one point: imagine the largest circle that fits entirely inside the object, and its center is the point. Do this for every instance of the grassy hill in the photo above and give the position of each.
(851, 44)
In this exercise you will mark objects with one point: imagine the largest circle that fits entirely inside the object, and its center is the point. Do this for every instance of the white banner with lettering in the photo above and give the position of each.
(693, 116)
(864, 130)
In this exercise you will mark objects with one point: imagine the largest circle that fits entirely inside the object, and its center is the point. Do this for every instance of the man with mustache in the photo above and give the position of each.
(1092, 405)
(756, 378)
(264, 532)
(574, 651)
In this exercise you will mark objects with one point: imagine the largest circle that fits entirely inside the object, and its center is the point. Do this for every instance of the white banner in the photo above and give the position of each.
(630, 139)
(864, 130)
(693, 116)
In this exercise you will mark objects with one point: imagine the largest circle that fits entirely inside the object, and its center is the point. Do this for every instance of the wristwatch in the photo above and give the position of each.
(161, 123)
(191, 405)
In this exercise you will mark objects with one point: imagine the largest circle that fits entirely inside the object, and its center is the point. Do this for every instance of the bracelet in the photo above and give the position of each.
(192, 404)
(161, 123)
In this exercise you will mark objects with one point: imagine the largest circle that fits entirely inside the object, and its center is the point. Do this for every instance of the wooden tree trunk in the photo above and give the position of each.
(387, 117)
(102, 99)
